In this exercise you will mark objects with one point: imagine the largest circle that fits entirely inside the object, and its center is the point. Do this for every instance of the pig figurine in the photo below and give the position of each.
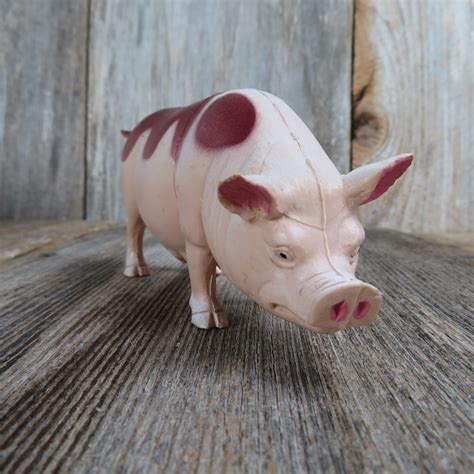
(238, 180)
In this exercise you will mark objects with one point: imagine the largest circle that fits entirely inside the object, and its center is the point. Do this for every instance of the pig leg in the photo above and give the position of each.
(135, 264)
(200, 266)
(220, 318)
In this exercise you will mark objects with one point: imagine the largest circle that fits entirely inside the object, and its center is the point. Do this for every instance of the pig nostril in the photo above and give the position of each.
(339, 311)
(362, 309)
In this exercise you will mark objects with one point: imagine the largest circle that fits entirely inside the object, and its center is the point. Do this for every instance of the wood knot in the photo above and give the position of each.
(369, 131)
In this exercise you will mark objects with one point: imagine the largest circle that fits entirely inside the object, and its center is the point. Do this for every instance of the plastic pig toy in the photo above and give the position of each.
(238, 180)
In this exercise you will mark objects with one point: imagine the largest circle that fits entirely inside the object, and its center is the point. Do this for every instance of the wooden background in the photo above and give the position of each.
(74, 72)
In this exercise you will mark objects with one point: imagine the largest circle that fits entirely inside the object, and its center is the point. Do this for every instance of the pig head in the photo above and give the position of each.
(292, 244)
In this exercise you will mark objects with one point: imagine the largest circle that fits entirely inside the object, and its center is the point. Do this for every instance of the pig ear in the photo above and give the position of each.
(248, 196)
(368, 182)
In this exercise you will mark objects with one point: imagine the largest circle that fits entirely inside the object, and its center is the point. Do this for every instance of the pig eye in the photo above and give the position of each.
(283, 257)
(353, 256)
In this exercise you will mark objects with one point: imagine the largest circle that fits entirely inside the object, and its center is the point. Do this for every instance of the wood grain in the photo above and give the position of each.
(413, 90)
(101, 373)
(42, 108)
(146, 55)
(20, 238)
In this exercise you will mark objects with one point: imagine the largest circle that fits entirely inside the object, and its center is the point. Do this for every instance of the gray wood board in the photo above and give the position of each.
(42, 108)
(20, 238)
(147, 55)
(101, 373)
(414, 91)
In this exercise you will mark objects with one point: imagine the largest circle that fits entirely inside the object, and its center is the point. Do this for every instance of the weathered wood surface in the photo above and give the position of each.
(101, 373)
(146, 55)
(413, 90)
(20, 238)
(462, 241)
(42, 108)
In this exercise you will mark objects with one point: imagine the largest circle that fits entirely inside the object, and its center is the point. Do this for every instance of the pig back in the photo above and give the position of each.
(226, 139)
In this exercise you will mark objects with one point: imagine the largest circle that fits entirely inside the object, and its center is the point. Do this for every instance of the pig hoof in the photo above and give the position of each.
(220, 319)
(203, 320)
(136, 270)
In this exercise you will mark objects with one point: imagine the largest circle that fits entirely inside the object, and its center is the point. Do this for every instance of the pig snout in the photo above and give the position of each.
(347, 304)
(324, 303)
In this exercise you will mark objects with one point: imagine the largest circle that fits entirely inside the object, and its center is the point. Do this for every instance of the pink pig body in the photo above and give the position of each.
(239, 180)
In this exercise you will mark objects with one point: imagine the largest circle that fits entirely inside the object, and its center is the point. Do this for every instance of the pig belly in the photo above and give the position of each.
(155, 195)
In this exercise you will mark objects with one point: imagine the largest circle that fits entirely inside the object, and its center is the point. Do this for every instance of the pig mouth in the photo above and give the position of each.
(284, 309)
(286, 313)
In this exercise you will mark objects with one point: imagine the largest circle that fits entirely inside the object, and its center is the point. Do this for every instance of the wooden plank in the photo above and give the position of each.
(146, 55)
(104, 373)
(31, 238)
(413, 90)
(42, 108)
(461, 241)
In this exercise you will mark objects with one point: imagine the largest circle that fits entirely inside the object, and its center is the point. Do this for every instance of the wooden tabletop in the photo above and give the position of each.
(101, 373)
